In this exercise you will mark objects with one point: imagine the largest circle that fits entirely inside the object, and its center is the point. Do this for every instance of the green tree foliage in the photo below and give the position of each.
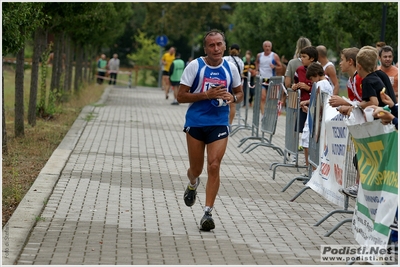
(334, 24)
(147, 54)
(147, 51)
(19, 22)
(183, 18)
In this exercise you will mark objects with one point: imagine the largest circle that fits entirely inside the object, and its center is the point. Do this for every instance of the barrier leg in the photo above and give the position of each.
(298, 178)
(291, 165)
(299, 193)
(276, 148)
(243, 140)
(337, 227)
(331, 213)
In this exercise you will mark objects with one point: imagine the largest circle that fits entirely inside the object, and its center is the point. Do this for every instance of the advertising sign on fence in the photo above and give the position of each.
(377, 199)
(327, 179)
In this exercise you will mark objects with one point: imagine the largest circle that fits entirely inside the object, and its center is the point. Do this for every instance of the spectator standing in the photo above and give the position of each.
(309, 55)
(101, 68)
(175, 74)
(266, 64)
(294, 64)
(386, 58)
(378, 46)
(316, 74)
(113, 68)
(372, 84)
(328, 67)
(348, 65)
(249, 66)
(203, 81)
(166, 61)
(234, 58)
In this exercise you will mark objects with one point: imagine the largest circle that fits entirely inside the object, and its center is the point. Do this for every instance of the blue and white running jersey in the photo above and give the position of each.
(199, 76)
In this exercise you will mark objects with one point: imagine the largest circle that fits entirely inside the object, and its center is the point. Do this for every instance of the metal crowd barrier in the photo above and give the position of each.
(291, 135)
(255, 127)
(244, 126)
(349, 179)
(270, 116)
(128, 83)
(317, 101)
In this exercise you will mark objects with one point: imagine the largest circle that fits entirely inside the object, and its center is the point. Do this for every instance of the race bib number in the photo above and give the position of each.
(207, 82)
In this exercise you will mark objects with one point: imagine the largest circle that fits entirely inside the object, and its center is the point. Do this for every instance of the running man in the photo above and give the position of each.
(209, 84)
(166, 60)
(175, 74)
(266, 64)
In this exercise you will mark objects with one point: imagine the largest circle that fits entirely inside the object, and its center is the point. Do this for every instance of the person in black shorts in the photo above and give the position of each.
(209, 84)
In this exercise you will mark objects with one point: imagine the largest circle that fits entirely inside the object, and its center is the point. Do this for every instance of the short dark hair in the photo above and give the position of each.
(311, 51)
(314, 70)
(386, 48)
(212, 32)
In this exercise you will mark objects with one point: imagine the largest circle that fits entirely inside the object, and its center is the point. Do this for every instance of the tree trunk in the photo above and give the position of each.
(70, 66)
(43, 78)
(85, 62)
(57, 63)
(67, 64)
(38, 48)
(60, 68)
(78, 68)
(19, 94)
(4, 132)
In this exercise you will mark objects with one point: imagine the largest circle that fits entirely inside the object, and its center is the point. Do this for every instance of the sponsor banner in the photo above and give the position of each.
(327, 179)
(377, 200)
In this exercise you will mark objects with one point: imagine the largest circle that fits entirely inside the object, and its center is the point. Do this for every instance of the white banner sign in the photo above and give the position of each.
(327, 178)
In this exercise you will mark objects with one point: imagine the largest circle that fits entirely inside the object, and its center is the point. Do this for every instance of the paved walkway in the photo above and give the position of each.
(119, 197)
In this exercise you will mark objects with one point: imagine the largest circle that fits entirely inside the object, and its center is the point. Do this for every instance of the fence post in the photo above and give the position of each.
(291, 134)
(245, 125)
(270, 117)
(256, 113)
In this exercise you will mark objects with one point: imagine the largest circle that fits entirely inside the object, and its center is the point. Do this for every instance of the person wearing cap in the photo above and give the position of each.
(266, 64)
(233, 57)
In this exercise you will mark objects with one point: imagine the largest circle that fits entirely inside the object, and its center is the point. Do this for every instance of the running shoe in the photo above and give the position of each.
(190, 194)
(207, 222)
(351, 191)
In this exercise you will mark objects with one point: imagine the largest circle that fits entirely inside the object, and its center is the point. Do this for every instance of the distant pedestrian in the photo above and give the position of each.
(175, 74)
(266, 64)
(328, 67)
(234, 58)
(101, 68)
(113, 68)
(189, 60)
(166, 60)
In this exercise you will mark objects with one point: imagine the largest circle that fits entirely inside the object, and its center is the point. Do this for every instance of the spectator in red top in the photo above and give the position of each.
(348, 65)
(308, 55)
(354, 93)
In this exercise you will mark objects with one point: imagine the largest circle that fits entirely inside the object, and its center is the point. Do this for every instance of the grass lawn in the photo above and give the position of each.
(27, 155)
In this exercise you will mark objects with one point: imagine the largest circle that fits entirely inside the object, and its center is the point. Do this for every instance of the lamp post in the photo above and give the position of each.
(161, 51)
(383, 25)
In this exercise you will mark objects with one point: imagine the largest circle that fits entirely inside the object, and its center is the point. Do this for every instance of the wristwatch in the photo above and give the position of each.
(234, 98)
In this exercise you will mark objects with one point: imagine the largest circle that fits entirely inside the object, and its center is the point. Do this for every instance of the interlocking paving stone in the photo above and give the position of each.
(119, 199)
